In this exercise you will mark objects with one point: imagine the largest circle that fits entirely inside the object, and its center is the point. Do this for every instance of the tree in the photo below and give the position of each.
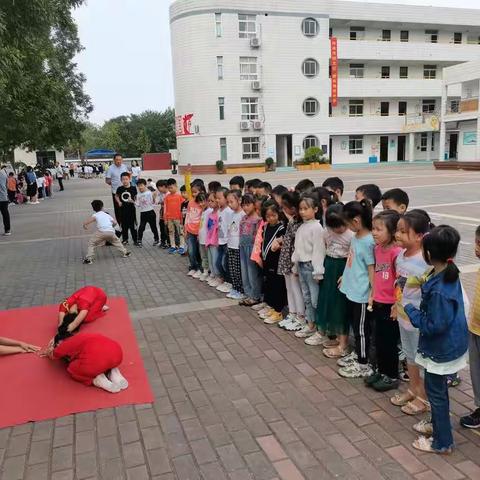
(144, 143)
(42, 102)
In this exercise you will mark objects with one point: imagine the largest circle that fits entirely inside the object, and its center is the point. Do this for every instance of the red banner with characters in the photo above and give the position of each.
(334, 70)
(183, 125)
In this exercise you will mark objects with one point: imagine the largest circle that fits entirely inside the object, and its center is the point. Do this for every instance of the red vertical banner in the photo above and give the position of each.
(334, 70)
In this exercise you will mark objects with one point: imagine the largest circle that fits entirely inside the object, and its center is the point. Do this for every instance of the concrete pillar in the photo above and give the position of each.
(429, 146)
(443, 127)
(477, 149)
(411, 146)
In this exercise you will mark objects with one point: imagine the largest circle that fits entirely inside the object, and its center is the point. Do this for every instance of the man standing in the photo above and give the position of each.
(59, 173)
(113, 178)
(4, 199)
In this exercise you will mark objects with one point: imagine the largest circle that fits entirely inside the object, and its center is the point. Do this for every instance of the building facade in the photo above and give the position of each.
(258, 79)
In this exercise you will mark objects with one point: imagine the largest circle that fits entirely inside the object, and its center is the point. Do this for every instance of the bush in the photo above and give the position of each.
(220, 166)
(269, 163)
(313, 155)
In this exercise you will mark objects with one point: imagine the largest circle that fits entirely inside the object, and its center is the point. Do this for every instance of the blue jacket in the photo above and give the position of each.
(441, 320)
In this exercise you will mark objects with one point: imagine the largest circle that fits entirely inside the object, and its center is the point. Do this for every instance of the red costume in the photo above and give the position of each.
(90, 354)
(87, 298)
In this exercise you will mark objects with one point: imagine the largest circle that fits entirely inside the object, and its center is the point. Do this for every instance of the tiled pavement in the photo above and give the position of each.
(234, 399)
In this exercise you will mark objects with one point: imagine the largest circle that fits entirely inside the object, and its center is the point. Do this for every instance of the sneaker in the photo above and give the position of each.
(87, 261)
(472, 420)
(7, 234)
(172, 250)
(197, 274)
(316, 339)
(164, 246)
(288, 319)
(234, 295)
(264, 310)
(369, 381)
(155, 243)
(181, 251)
(275, 317)
(347, 360)
(453, 380)
(259, 306)
(295, 326)
(385, 383)
(191, 272)
(127, 254)
(267, 313)
(124, 242)
(224, 287)
(305, 332)
(139, 244)
(203, 277)
(356, 370)
(213, 283)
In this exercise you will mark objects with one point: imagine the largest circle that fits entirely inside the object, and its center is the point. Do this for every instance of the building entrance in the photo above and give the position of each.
(284, 150)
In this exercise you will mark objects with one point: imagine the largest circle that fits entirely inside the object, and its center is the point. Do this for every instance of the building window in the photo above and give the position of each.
(384, 109)
(251, 148)
(310, 27)
(402, 108)
(310, 67)
(248, 68)
(357, 70)
(431, 36)
(249, 108)
(457, 37)
(357, 33)
(310, 107)
(355, 144)
(355, 108)
(428, 106)
(247, 26)
(330, 32)
(430, 71)
(310, 141)
(385, 72)
(454, 106)
(404, 35)
(218, 25)
(220, 68)
(403, 72)
(386, 35)
(423, 142)
(223, 149)
(432, 146)
(221, 108)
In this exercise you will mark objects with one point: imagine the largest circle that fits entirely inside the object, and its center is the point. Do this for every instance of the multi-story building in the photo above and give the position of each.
(363, 81)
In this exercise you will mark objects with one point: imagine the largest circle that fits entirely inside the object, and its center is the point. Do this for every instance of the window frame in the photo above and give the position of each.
(353, 147)
(427, 105)
(355, 31)
(356, 107)
(356, 68)
(455, 39)
(247, 20)
(249, 74)
(308, 101)
(218, 25)
(405, 39)
(221, 108)
(400, 72)
(423, 141)
(431, 36)
(310, 61)
(309, 139)
(220, 72)
(310, 21)
(457, 106)
(252, 153)
(223, 149)
(386, 37)
(388, 109)
(430, 72)
(402, 102)
(387, 75)
(251, 112)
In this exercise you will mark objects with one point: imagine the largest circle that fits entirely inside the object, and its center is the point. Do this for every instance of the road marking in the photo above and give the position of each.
(469, 224)
(465, 243)
(454, 217)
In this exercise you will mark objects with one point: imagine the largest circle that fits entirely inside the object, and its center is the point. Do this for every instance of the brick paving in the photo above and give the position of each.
(234, 398)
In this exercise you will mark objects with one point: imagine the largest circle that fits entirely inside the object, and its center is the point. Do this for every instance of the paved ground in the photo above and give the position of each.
(234, 399)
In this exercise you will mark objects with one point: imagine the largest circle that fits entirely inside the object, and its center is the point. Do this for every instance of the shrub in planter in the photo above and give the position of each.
(220, 166)
(269, 163)
(313, 155)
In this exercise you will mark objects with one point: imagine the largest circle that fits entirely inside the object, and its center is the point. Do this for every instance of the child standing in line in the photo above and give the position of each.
(125, 197)
(211, 241)
(186, 199)
(146, 202)
(335, 185)
(48, 180)
(308, 258)
(473, 419)
(172, 213)
(370, 192)
(162, 192)
(224, 214)
(192, 227)
(356, 284)
(331, 317)
(12, 188)
(443, 344)
(251, 273)
(202, 239)
(395, 199)
(274, 290)
(410, 266)
(295, 320)
(40, 186)
(234, 198)
(386, 329)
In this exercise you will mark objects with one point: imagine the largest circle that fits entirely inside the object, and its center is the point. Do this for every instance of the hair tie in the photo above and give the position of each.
(449, 260)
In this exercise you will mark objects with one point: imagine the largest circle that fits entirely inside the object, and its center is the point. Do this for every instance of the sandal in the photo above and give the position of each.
(424, 427)
(331, 344)
(401, 399)
(411, 408)
(424, 444)
(335, 352)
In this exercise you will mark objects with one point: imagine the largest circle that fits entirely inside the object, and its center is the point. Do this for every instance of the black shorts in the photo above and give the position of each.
(31, 190)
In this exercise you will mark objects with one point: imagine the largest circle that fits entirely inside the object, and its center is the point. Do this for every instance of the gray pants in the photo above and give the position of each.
(474, 358)
(98, 239)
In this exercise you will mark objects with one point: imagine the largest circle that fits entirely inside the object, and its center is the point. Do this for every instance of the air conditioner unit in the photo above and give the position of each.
(256, 85)
(244, 125)
(257, 125)
(255, 42)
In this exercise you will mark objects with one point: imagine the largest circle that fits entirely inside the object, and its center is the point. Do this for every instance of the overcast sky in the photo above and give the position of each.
(127, 53)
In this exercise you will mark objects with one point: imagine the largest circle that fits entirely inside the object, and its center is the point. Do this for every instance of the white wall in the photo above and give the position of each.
(466, 153)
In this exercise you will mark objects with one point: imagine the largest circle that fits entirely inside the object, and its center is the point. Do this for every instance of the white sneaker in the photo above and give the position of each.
(203, 277)
(259, 306)
(316, 339)
(197, 274)
(224, 287)
(191, 273)
(306, 331)
(295, 326)
(117, 378)
(101, 381)
(347, 360)
(288, 319)
(356, 370)
(234, 295)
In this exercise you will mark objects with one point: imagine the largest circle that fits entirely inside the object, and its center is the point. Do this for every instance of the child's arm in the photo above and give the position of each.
(9, 346)
(425, 321)
(87, 223)
(78, 320)
(318, 256)
(371, 278)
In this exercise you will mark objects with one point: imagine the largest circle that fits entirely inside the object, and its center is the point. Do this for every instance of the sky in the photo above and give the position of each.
(126, 56)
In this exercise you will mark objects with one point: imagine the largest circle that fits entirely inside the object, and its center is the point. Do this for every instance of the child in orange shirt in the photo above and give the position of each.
(172, 214)
(11, 187)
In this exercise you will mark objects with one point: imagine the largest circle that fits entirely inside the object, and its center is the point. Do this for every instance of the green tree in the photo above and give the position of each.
(42, 102)
(144, 144)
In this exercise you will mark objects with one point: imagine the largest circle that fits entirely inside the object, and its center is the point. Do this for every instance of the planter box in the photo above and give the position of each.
(313, 166)
(245, 169)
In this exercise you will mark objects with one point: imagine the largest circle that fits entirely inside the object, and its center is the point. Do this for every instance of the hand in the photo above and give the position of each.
(339, 282)
(46, 352)
(370, 304)
(27, 348)
(276, 245)
(393, 312)
(85, 227)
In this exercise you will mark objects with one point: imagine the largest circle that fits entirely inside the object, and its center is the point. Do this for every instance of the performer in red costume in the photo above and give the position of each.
(87, 304)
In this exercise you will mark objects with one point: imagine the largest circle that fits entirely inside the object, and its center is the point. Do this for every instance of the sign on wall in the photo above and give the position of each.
(183, 125)
(334, 68)
(469, 138)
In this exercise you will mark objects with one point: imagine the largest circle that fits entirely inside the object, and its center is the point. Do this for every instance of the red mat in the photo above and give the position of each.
(35, 388)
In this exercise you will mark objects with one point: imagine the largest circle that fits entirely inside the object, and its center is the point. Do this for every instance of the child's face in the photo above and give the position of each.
(221, 200)
(258, 207)
(288, 210)
(277, 198)
(233, 202)
(260, 191)
(212, 201)
(172, 188)
(184, 194)
(306, 211)
(251, 189)
(162, 189)
(141, 187)
(203, 204)
(340, 230)
(195, 192)
(380, 233)
(235, 186)
(359, 196)
(248, 208)
(337, 192)
(126, 181)
(406, 236)
(477, 246)
(389, 204)
(271, 216)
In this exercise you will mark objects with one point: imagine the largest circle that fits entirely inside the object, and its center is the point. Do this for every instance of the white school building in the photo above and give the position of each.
(363, 81)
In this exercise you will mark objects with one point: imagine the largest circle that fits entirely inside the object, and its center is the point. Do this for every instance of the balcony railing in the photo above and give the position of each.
(468, 105)
(422, 122)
